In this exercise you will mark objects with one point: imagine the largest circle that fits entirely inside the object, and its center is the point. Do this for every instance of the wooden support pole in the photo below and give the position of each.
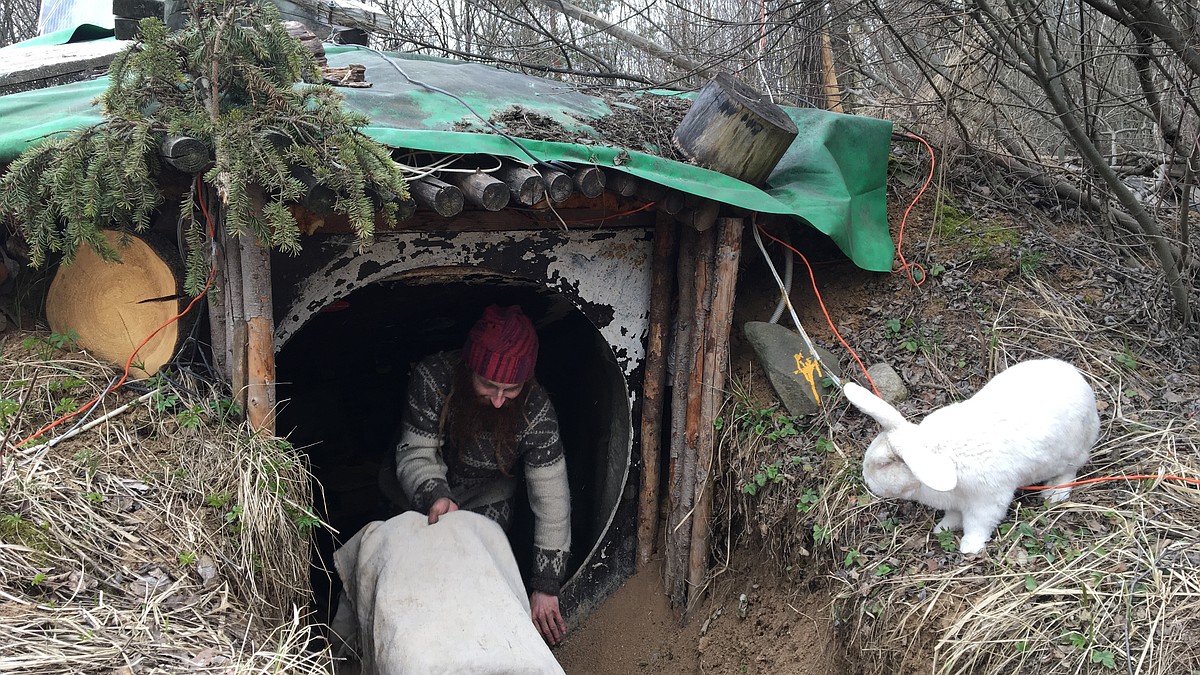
(621, 183)
(525, 186)
(716, 362)
(681, 517)
(185, 153)
(561, 185)
(672, 202)
(218, 328)
(662, 277)
(589, 180)
(318, 198)
(235, 312)
(674, 563)
(260, 334)
(480, 189)
(442, 197)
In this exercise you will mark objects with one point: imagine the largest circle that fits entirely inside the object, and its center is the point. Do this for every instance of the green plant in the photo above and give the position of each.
(66, 383)
(65, 405)
(37, 579)
(1104, 657)
(8, 407)
(853, 558)
(808, 500)
(1076, 639)
(187, 558)
(767, 473)
(64, 340)
(189, 418)
(1029, 262)
(891, 328)
(1127, 359)
(883, 569)
(94, 497)
(218, 500)
(945, 540)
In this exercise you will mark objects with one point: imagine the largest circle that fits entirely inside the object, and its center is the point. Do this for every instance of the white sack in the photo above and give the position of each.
(442, 598)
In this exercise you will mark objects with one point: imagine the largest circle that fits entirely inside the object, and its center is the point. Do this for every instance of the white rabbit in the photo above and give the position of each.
(1035, 422)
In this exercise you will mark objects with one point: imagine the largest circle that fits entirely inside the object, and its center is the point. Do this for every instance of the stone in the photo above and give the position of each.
(795, 373)
(888, 382)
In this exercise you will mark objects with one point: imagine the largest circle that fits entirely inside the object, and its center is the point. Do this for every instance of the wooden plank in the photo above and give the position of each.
(31, 64)
(663, 276)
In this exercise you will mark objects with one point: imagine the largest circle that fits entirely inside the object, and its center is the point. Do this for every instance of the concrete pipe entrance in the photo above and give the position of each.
(354, 328)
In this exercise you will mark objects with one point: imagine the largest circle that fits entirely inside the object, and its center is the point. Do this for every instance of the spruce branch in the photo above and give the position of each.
(229, 79)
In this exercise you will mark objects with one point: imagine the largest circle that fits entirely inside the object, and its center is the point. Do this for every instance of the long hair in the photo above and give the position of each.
(467, 418)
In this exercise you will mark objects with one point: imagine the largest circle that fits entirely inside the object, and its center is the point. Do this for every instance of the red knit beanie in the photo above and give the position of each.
(502, 346)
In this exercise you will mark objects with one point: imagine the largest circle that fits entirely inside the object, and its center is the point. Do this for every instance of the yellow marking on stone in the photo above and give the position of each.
(811, 370)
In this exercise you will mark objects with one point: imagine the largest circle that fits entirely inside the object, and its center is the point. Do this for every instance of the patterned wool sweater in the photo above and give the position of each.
(476, 482)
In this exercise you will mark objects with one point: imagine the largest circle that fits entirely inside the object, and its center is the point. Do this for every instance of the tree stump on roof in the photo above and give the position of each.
(114, 306)
(735, 130)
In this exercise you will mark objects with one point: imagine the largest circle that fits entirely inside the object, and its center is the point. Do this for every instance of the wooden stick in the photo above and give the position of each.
(561, 185)
(260, 334)
(716, 361)
(663, 275)
(589, 180)
(682, 523)
(481, 189)
(218, 327)
(438, 195)
(525, 185)
(674, 567)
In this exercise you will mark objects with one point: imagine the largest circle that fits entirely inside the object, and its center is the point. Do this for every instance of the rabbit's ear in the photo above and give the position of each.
(887, 416)
(938, 472)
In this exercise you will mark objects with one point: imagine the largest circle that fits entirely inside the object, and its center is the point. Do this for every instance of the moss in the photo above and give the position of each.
(983, 238)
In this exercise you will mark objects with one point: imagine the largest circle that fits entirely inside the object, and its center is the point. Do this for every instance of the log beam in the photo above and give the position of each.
(445, 199)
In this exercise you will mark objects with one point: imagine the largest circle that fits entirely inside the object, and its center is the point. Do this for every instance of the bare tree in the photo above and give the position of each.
(18, 20)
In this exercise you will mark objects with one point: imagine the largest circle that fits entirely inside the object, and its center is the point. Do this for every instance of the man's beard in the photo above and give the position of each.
(472, 417)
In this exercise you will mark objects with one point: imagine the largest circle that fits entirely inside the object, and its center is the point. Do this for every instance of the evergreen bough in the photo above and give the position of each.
(231, 79)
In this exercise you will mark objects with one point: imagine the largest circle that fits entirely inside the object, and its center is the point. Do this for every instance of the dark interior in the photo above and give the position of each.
(342, 379)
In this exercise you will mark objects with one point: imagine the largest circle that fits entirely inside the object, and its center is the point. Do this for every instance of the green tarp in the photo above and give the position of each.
(833, 176)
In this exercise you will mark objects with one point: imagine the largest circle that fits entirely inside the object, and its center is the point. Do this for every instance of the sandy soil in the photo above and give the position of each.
(780, 627)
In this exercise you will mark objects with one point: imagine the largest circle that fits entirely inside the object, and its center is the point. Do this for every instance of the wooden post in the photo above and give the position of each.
(235, 312)
(681, 518)
(260, 334)
(481, 189)
(442, 197)
(674, 564)
(620, 182)
(589, 180)
(663, 274)
(716, 361)
(560, 185)
(218, 328)
(525, 185)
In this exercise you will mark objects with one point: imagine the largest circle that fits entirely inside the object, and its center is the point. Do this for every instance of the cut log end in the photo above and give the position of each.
(114, 307)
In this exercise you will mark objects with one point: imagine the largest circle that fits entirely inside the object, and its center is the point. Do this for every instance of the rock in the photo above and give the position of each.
(888, 382)
(794, 373)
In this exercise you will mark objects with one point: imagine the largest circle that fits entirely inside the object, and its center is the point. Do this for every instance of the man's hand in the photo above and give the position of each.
(546, 617)
(443, 506)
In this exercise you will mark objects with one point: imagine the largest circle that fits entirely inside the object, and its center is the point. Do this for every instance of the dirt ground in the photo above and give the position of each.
(755, 621)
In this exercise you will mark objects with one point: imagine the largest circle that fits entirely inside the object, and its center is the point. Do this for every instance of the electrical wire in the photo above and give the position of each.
(905, 266)
(1108, 479)
(756, 228)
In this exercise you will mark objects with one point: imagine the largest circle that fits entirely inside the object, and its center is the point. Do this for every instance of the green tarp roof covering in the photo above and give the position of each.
(833, 176)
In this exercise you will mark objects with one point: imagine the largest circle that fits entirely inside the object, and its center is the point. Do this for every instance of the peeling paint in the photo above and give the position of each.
(604, 274)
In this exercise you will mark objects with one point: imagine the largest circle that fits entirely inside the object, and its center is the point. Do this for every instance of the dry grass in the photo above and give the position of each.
(1105, 582)
(160, 540)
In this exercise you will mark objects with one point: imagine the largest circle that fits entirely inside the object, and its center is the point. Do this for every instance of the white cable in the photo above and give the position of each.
(788, 264)
(792, 310)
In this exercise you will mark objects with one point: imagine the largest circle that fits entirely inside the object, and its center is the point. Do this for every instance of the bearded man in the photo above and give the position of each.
(475, 420)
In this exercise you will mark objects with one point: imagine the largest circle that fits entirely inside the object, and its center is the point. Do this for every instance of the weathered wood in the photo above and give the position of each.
(480, 189)
(649, 191)
(442, 197)
(351, 75)
(235, 310)
(693, 295)
(733, 129)
(185, 153)
(560, 184)
(114, 306)
(525, 186)
(589, 180)
(318, 198)
(716, 362)
(701, 215)
(255, 259)
(672, 202)
(308, 39)
(662, 272)
(38, 67)
(620, 182)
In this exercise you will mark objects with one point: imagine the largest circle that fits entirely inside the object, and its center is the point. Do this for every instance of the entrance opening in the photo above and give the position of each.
(343, 376)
